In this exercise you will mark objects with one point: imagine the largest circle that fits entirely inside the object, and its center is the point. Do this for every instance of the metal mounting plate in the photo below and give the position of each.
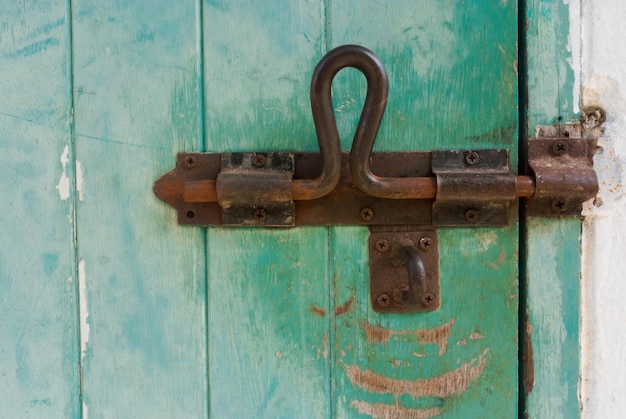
(345, 205)
(255, 189)
(388, 271)
(473, 187)
(562, 162)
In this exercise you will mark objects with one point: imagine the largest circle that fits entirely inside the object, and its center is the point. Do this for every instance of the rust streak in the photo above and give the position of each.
(318, 310)
(385, 411)
(339, 310)
(439, 335)
(528, 359)
(345, 307)
(445, 385)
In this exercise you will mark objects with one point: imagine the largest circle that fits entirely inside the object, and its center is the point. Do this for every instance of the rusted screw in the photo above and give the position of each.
(472, 157)
(559, 204)
(190, 161)
(190, 214)
(471, 215)
(559, 148)
(260, 215)
(367, 214)
(382, 245)
(425, 243)
(428, 299)
(383, 300)
(258, 160)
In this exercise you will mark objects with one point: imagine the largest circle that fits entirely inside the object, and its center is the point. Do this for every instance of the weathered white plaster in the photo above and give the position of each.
(603, 385)
(574, 46)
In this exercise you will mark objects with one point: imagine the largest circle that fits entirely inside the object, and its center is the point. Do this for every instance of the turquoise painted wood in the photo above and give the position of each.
(451, 65)
(38, 305)
(291, 309)
(143, 310)
(268, 350)
(552, 273)
(110, 309)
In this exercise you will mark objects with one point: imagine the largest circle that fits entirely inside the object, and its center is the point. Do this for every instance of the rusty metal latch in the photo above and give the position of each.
(413, 191)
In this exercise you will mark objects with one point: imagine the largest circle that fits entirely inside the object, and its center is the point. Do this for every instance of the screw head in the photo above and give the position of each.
(190, 161)
(425, 243)
(560, 148)
(258, 160)
(471, 215)
(367, 214)
(472, 157)
(559, 204)
(260, 215)
(382, 245)
(428, 299)
(383, 300)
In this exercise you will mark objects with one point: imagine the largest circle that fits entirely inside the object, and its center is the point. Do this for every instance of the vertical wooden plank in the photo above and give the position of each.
(142, 289)
(267, 289)
(453, 84)
(38, 329)
(552, 271)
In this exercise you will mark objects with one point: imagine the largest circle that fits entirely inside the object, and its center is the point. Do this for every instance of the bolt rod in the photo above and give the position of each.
(421, 188)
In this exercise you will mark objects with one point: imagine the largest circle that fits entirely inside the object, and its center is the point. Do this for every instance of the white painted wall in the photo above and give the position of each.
(603, 384)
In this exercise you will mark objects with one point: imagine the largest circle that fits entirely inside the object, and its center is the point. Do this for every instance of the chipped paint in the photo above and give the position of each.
(64, 182)
(438, 336)
(84, 311)
(385, 411)
(79, 180)
(445, 385)
(486, 240)
(476, 335)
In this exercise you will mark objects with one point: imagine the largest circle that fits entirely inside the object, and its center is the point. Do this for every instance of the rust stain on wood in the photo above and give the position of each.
(339, 310)
(438, 336)
(345, 307)
(318, 310)
(445, 385)
(528, 359)
(385, 411)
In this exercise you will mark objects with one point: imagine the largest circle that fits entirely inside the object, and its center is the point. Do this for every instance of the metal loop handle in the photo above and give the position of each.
(370, 65)
(416, 292)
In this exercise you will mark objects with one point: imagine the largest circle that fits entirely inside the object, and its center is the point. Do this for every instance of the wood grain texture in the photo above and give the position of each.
(268, 343)
(552, 246)
(453, 84)
(143, 331)
(38, 328)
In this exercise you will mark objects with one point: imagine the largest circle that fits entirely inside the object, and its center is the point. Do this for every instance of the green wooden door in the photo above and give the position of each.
(131, 315)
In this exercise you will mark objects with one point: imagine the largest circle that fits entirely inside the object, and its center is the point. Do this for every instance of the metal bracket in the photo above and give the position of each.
(563, 167)
(404, 270)
(473, 187)
(255, 189)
